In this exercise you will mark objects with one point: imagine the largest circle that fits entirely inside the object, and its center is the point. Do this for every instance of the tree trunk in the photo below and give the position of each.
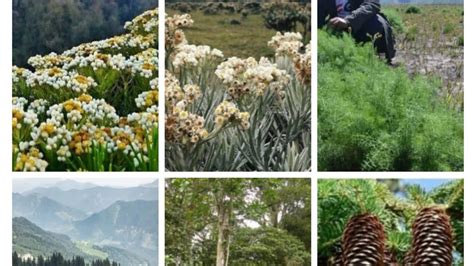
(274, 210)
(190, 253)
(223, 228)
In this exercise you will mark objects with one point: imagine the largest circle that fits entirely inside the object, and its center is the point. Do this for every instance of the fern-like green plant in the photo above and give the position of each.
(373, 117)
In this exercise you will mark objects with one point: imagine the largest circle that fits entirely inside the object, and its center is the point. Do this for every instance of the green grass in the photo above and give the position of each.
(89, 249)
(247, 39)
(433, 19)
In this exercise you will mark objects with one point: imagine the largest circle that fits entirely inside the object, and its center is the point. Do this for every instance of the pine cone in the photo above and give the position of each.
(432, 238)
(390, 258)
(409, 259)
(336, 261)
(363, 241)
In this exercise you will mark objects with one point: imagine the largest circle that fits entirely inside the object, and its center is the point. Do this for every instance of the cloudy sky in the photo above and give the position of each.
(24, 184)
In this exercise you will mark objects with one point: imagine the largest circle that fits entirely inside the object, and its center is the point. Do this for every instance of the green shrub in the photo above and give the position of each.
(183, 7)
(285, 17)
(448, 28)
(270, 245)
(461, 40)
(413, 10)
(281, 17)
(376, 118)
(412, 32)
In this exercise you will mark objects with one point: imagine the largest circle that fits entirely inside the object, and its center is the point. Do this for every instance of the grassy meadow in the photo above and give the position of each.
(430, 40)
(249, 38)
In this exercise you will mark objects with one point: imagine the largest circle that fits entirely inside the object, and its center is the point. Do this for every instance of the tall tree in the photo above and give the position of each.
(235, 221)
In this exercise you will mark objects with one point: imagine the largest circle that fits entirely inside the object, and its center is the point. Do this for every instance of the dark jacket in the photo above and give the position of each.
(361, 11)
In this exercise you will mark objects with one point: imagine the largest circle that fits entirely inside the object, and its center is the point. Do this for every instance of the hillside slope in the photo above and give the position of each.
(45, 212)
(129, 225)
(30, 239)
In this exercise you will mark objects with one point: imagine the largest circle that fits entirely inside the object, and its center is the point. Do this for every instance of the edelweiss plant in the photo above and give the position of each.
(236, 114)
(93, 107)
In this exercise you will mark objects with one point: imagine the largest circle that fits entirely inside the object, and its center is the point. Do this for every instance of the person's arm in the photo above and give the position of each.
(367, 10)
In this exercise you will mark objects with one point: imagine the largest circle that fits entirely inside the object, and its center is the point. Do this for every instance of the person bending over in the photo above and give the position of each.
(362, 18)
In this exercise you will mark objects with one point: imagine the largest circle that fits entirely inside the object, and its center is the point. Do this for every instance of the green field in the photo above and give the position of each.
(431, 42)
(89, 249)
(438, 20)
(246, 39)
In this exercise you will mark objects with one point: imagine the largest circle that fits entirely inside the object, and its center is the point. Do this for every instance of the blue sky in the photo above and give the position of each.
(427, 184)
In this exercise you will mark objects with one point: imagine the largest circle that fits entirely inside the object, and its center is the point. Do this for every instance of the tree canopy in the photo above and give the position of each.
(238, 221)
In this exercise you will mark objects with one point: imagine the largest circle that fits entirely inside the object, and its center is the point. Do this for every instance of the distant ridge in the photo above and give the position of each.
(69, 184)
(95, 199)
(45, 212)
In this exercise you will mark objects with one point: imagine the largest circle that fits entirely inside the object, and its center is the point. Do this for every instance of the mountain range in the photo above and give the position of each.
(47, 213)
(97, 198)
(88, 220)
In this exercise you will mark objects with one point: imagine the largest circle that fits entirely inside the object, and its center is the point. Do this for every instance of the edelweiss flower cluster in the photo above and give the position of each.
(302, 63)
(192, 55)
(290, 45)
(48, 61)
(173, 32)
(55, 78)
(185, 55)
(98, 100)
(182, 126)
(209, 100)
(146, 22)
(71, 128)
(227, 112)
(31, 161)
(247, 76)
(287, 44)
